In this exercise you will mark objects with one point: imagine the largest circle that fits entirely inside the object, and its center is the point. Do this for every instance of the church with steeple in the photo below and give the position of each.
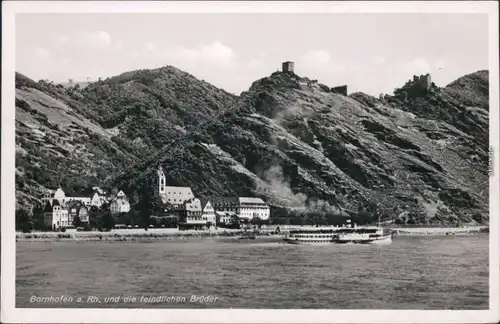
(175, 196)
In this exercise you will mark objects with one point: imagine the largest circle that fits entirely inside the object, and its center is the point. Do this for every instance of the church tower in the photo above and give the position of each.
(161, 181)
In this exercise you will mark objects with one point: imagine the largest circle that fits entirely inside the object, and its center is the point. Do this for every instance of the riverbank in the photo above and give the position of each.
(440, 230)
(132, 235)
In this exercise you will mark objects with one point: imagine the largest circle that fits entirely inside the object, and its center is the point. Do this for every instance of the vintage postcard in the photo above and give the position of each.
(250, 162)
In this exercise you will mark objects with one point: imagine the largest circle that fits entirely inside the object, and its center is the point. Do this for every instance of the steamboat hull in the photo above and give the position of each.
(305, 242)
(379, 240)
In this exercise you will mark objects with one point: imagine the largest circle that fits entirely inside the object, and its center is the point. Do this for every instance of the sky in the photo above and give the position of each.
(372, 53)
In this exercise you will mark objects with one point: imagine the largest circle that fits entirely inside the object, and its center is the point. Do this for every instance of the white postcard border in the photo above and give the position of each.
(11, 314)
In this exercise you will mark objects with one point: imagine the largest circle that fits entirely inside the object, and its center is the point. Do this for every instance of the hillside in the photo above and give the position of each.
(302, 148)
(79, 137)
(307, 150)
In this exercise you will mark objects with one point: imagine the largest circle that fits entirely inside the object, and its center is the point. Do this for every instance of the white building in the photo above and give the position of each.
(225, 217)
(175, 196)
(190, 215)
(55, 215)
(119, 204)
(243, 207)
(251, 207)
(208, 212)
(97, 199)
(77, 208)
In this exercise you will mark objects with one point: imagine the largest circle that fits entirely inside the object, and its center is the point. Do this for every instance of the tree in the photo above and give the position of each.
(23, 221)
(125, 218)
(104, 207)
(477, 217)
(297, 220)
(94, 216)
(77, 221)
(107, 221)
(149, 204)
(411, 221)
(38, 218)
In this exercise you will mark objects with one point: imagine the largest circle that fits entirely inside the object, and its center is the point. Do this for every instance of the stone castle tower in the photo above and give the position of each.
(423, 81)
(287, 66)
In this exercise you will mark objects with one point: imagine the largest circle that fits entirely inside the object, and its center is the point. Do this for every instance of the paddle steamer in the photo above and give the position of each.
(347, 234)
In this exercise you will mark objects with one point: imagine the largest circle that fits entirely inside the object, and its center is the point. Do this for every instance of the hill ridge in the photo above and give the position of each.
(291, 141)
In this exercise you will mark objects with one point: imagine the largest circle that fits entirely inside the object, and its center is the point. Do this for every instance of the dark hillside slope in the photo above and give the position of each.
(306, 150)
(55, 145)
(151, 108)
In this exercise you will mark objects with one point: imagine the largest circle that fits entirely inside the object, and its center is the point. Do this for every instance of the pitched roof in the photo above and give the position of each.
(177, 195)
(47, 207)
(120, 195)
(74, 203)
(193, 204)
(182, 190)
(251, 200)
(56, 202)
(204, 202)
(225, 201)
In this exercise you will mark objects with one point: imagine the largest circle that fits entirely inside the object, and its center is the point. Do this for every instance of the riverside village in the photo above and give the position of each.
(185, 211)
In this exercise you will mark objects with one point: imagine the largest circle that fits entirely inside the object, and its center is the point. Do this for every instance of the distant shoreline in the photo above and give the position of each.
(423, 231)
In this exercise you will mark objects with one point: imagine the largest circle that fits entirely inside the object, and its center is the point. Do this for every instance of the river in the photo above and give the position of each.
(412, 273)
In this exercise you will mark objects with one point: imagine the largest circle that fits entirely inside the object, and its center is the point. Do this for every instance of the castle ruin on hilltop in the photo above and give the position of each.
(340, 90)
(416, 87)
(288, 67)
(423, 81)
(413, 87)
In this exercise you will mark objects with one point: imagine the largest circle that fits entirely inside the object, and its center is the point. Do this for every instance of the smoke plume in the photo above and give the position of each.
(282, 190)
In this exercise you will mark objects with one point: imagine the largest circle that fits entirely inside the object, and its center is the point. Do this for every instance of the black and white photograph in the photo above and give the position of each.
(250, 162)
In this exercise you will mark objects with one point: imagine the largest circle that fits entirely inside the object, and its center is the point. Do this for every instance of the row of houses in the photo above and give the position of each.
(60, 210)
(194, 213)
(190, 212)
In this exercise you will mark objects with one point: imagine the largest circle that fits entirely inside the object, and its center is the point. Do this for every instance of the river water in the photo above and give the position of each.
(412, 273)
